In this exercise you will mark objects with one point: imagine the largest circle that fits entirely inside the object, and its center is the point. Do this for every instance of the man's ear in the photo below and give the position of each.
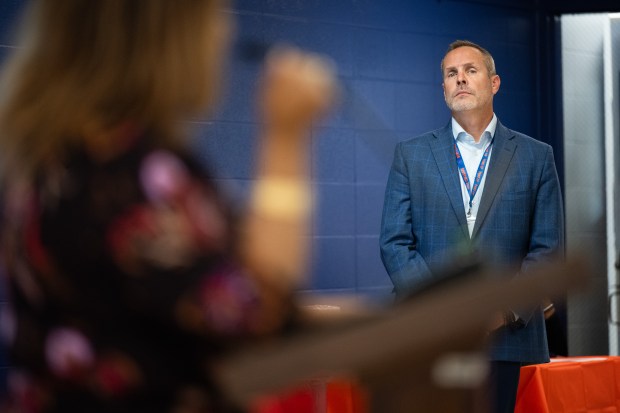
(495, 82)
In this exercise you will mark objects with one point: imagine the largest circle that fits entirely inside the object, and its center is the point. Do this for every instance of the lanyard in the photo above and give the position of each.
(479, 174)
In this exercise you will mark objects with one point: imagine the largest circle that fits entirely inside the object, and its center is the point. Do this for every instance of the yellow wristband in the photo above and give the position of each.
(281, 198)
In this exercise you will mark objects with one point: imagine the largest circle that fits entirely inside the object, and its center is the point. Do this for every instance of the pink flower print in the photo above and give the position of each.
(207, 220)
(146, 237)
(163, 176)
(127, 235)
(172, 245)
(116, 374)
(37, 253)
(27, 394)
(228, 302)
(8, 324)
(68, 353)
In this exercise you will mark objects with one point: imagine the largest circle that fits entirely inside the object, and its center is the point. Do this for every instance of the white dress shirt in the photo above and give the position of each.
(472, 153)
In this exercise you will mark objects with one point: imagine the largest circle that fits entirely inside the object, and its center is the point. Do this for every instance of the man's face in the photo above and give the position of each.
(466, 81)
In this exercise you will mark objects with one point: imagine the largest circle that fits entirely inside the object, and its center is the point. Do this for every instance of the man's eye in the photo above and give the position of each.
(451, 74)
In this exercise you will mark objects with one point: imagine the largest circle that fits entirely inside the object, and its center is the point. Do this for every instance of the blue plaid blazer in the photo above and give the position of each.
(520, 219)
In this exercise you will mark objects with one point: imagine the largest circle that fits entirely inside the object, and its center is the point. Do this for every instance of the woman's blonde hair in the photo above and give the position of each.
(91, 64)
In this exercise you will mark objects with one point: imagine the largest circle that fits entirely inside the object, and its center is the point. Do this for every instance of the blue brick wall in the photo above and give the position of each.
(388, 54)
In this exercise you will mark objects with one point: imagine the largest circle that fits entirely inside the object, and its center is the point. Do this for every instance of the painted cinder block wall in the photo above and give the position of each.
(388, 55)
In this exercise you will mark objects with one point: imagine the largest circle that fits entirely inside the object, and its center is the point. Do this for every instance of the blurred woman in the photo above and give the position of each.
(126, 275)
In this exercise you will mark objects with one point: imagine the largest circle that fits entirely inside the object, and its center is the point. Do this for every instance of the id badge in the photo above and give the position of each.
(471, 221)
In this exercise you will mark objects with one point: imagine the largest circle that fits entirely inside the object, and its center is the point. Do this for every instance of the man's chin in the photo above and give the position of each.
(461, 107)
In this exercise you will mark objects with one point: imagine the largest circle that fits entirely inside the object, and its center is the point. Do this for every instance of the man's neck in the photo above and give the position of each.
(473, 123)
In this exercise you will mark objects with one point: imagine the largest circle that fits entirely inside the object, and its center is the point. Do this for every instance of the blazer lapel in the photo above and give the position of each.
(503, 151)
(442, 147)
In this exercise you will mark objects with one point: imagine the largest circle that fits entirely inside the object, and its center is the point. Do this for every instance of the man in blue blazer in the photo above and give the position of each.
(475, 185)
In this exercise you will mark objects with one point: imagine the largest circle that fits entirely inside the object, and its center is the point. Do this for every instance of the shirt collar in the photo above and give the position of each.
(488, 134)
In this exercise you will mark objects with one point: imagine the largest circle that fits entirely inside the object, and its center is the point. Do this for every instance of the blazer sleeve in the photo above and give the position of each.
(547, 226)
(405, 266)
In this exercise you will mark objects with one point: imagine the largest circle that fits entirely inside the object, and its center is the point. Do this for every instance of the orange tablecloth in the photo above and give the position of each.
(571, 385)
(333, 396)
(566, 385)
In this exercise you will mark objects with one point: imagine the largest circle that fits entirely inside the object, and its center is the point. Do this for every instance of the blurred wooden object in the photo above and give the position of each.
(426, 353)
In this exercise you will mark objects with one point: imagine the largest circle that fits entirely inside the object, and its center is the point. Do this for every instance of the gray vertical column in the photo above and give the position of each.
(612, 123)
(584, 139)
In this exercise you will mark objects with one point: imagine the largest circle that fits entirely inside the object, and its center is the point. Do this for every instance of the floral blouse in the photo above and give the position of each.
(123, 286)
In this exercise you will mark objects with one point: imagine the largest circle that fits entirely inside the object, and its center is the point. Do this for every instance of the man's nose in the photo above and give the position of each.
(460, 78)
